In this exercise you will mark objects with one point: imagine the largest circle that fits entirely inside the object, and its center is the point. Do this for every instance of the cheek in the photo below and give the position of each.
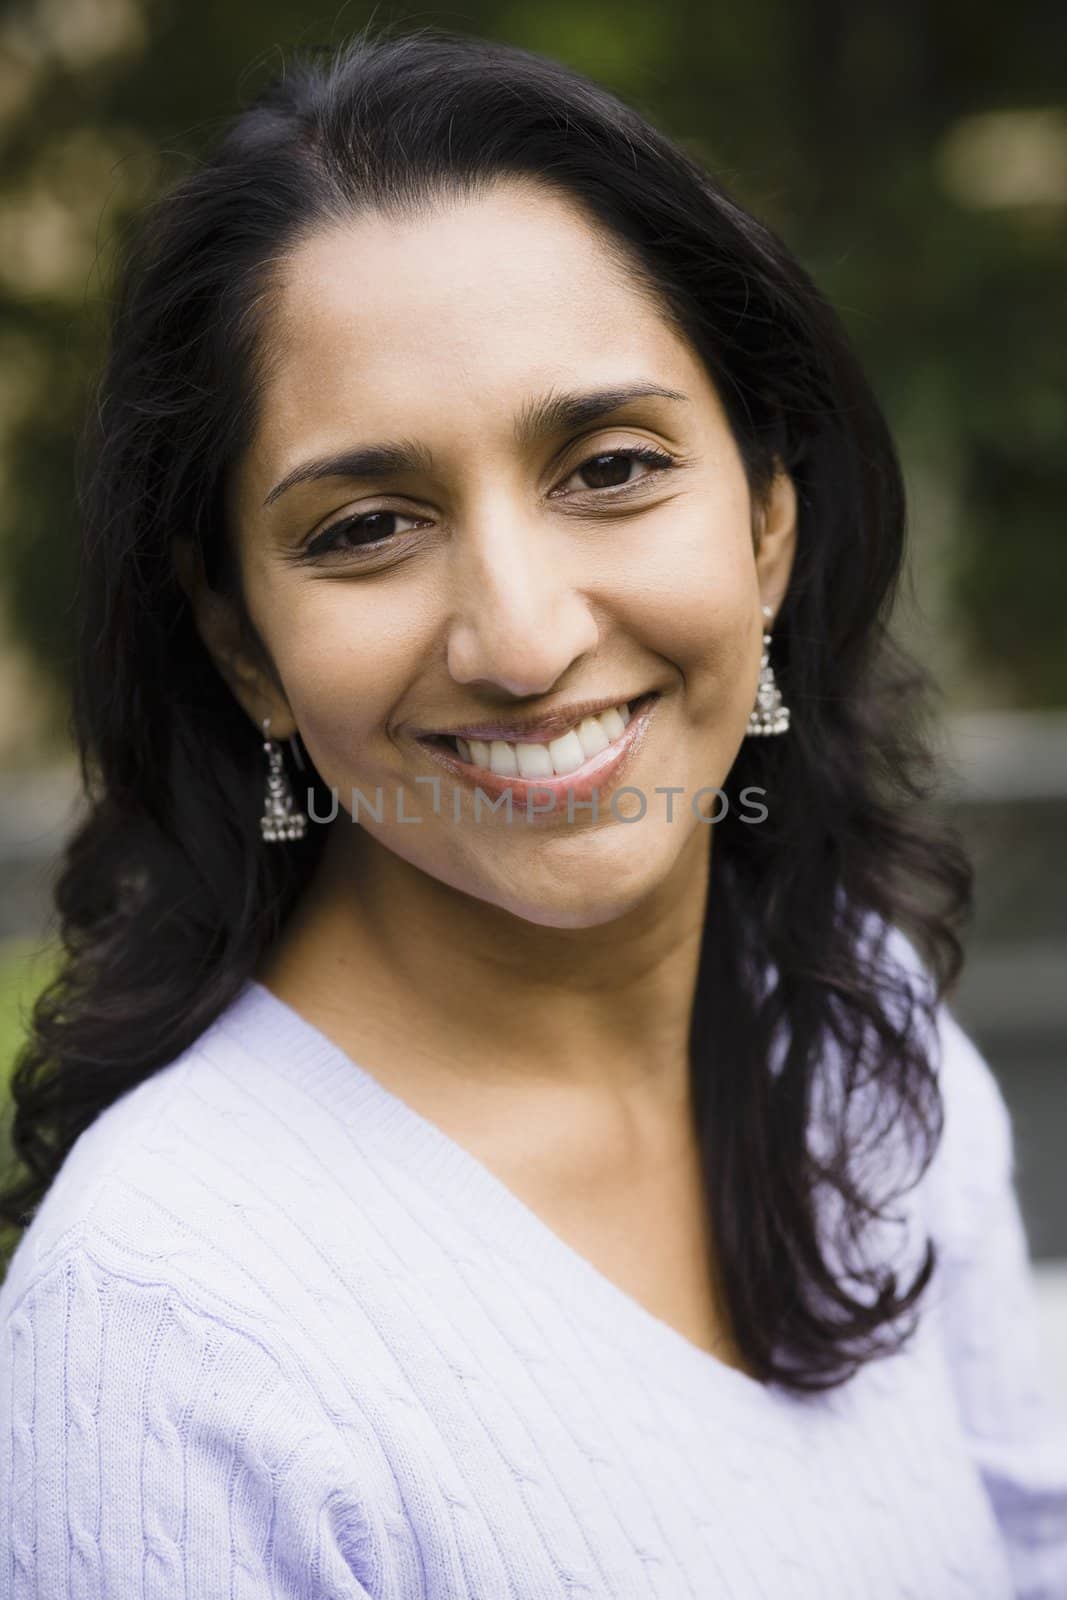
(345, 662)
(693, 599)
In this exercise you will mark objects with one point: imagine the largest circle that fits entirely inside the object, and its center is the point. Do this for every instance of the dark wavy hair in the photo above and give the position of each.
(166, 897)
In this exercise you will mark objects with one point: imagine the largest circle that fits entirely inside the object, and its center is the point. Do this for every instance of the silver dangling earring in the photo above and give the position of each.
(279, 820)
(769, 715)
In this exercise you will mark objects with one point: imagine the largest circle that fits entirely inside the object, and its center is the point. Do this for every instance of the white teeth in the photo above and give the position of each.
(502, 759)
(567, 753)
(554, 759)
(534, 760)
(592, 736)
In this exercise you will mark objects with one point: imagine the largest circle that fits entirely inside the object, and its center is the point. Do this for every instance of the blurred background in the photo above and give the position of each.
(913, 154)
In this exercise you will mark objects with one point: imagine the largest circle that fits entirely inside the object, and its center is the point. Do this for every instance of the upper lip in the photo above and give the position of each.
(545, 726)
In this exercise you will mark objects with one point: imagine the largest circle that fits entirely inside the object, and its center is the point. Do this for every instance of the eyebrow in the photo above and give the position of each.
(554, 413)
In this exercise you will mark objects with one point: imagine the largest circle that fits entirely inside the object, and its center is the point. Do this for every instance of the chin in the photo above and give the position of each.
(585, 889)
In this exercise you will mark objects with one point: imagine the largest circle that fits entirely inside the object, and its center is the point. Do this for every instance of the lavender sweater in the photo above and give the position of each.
(272, 1333)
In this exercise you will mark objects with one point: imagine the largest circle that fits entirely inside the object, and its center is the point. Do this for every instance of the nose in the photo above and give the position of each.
(519, 617)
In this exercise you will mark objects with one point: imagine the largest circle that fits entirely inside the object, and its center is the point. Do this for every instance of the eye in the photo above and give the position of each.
(368, 529)
(608, 464)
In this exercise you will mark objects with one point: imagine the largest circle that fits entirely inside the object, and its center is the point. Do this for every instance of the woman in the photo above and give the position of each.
(495, 1136)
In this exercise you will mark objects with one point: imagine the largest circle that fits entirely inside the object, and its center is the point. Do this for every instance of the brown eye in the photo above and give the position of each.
(357, 533)
(611, 469)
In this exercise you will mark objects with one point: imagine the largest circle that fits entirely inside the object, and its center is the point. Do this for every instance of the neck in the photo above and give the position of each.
(378, 949)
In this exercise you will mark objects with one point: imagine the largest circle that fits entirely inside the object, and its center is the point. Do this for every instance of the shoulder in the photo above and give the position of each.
(202, 1179)
(976, 1113)
(952, 1177)
(973, 1164)
(144, 1423)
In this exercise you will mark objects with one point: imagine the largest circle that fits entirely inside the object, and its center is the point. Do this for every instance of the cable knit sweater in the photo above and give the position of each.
(274, 1334)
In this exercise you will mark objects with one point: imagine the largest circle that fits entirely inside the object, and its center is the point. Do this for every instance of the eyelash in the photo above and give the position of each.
(325, 542)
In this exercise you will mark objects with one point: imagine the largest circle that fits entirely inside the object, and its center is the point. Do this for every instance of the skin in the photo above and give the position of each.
(527, 988)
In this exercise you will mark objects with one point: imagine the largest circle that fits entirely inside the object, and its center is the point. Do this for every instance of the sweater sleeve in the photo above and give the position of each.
(149, 1449)
(1017, 1435)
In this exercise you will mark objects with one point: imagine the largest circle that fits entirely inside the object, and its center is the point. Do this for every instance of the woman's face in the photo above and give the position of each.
(505, 557)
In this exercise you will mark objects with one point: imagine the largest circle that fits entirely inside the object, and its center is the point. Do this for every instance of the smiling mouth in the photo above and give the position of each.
(554, 758)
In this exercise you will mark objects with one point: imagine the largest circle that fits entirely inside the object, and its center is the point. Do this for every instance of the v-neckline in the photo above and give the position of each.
(490, 1208)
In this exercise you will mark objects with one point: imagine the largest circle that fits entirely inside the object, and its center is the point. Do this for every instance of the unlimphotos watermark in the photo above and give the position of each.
(539, 801)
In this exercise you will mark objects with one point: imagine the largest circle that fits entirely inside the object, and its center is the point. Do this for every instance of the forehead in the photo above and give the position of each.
(465, 309)
(457, 271)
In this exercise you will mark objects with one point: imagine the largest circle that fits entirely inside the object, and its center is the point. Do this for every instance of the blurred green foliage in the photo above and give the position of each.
(913, 154)
(25, 967)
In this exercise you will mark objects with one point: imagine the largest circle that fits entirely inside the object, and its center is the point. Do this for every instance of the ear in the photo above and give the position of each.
(220, 626)
(775, 539)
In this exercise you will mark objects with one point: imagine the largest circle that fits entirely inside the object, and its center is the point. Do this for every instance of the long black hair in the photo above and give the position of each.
(166, 897)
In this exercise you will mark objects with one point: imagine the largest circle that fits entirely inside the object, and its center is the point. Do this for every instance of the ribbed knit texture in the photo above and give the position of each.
(274, 1334)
